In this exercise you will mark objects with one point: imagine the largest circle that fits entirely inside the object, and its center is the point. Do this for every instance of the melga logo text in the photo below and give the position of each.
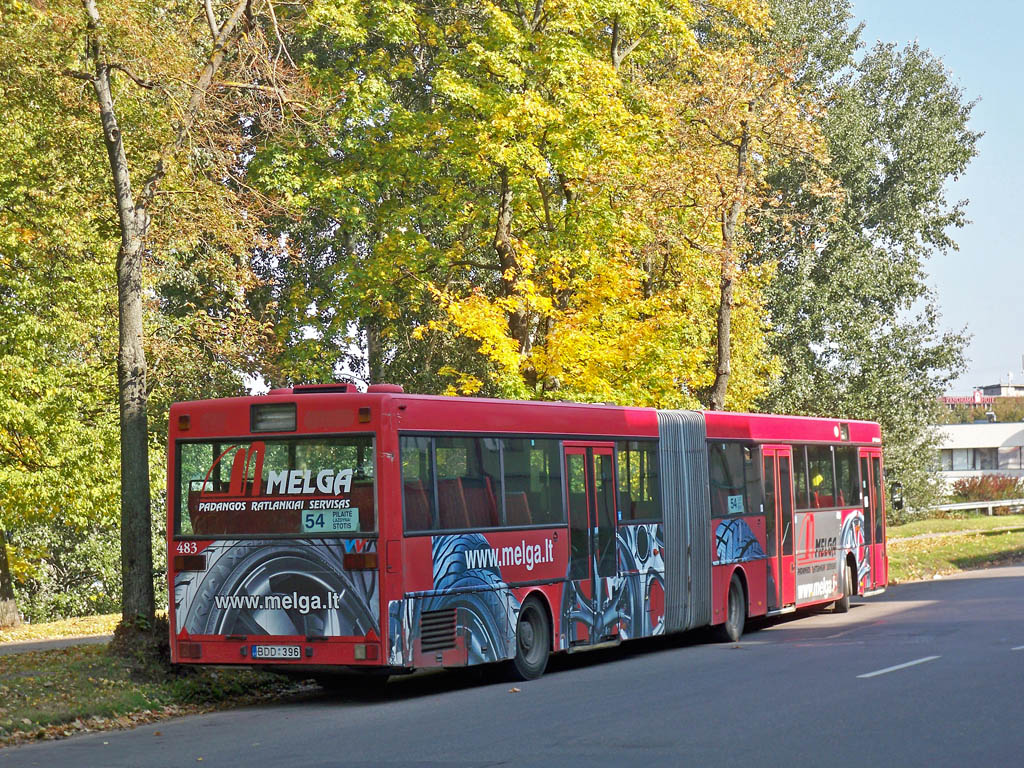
(303, 481)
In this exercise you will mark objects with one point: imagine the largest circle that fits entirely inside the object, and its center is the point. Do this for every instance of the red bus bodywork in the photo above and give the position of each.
(414, 574)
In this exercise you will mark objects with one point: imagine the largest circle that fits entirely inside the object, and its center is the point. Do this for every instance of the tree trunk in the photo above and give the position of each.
(730, 222)
(374, 356)
(9, 616)
(723, 368)
(518, 321)
(137, 600)
(136, 520)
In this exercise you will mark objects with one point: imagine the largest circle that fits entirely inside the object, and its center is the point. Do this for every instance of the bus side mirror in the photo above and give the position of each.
(896, 494)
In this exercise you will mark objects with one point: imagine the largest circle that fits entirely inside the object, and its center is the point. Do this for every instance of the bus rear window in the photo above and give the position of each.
(298, 487)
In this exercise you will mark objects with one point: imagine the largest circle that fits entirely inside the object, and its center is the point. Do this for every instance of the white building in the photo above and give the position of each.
(972, 450)
(1002, 390)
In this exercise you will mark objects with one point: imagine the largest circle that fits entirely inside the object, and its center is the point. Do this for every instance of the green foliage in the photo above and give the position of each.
(61, 571)
(476, 199)
(58, 431)
(59, 452)
(855, 326)
(475, 215)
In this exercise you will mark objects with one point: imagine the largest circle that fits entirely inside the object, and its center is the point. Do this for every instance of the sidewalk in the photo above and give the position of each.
(24, 646)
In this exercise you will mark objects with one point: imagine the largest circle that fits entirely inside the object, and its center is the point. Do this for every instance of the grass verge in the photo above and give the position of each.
(958, 525)
(56, 693)
(924, 558)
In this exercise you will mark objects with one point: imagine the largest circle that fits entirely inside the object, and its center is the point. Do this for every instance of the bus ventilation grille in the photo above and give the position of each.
(437, 630)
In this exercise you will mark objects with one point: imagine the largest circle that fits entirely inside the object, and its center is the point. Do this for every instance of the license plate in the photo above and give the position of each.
(276, 652)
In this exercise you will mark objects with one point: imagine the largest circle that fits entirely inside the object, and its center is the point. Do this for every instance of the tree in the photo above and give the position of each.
(855, 326)
(58, 446)
(484, 179)
(736, 114)
(156, 80)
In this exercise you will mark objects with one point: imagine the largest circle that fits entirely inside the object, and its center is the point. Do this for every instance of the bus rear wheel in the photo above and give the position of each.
(533, 641)
(735, 614)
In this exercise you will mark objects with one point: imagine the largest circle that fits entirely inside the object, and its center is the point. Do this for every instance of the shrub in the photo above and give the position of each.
(988, 488)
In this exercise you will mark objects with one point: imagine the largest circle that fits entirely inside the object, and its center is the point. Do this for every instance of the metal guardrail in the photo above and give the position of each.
(989, 505)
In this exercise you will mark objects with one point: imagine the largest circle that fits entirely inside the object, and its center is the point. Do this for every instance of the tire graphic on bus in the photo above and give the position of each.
(641, 586)
(621, 607)
(276, 588)
(486, 607)
(851, 538)
(735, 542)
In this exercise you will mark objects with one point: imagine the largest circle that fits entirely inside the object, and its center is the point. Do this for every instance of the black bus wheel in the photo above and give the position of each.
(533, 641)
(736, 613)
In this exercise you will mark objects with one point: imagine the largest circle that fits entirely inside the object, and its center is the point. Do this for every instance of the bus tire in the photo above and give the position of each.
(735, 613)
(533, 641)
(842, 605)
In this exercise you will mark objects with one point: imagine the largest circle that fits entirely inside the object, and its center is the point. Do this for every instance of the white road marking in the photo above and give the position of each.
(1018, 648)
(885, 671)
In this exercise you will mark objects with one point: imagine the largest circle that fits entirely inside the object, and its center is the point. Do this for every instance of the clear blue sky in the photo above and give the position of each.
(979, 286)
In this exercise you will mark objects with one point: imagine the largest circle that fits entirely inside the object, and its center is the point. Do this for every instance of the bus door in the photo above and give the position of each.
(874, 515)
(590, 496)
(778, 508)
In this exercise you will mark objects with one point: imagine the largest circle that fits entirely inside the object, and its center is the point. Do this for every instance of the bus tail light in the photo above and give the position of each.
(366, 652)
(190, 650)
(360, 561)
(189, 563)
(184, 422)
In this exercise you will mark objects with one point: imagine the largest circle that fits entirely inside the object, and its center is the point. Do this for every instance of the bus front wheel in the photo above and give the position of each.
(736, 613)
(533, 641)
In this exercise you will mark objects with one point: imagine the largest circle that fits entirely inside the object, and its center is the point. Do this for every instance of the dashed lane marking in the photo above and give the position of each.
(887, 670)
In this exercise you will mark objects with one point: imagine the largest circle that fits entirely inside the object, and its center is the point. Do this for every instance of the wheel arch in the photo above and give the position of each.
(742, 574)
(545, 604)
(738, 571)
(852, 573)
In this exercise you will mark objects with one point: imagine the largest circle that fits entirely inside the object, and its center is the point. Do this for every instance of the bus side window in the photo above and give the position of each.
(727, 481)
(532, 481)
(821, 477)
(847, 476)
(468, 482)
(639, 486)
(800, 477)
(417, 482)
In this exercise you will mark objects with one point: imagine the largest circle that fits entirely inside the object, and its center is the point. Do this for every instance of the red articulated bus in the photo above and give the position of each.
(319, 528)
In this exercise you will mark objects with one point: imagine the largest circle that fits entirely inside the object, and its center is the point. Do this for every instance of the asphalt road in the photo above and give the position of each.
(928, 674)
